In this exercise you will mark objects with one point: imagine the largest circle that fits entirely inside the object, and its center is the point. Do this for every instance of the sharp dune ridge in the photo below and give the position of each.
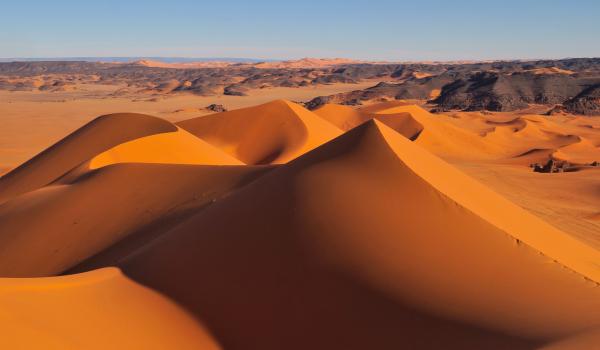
(272, 133)
(276, 227)
(355, 239)
(95, 137)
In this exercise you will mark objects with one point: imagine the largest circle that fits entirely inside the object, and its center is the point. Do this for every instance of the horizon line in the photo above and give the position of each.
(173, 59)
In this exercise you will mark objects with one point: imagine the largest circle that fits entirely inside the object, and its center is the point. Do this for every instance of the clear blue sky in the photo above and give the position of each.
(365, 29)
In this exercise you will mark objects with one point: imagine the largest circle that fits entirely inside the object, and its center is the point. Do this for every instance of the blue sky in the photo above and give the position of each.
(366, 29)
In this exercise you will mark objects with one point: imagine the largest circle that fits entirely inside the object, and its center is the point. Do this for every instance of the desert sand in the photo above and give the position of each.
(272, 133)
(93, 310)
(34, 121)
(274, 227)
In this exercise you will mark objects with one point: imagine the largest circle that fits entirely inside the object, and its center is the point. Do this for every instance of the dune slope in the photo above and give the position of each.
(344, 117)
(101, 309)
(371, 242)
(52, 229)
(272, 133)
(93, 138)
(179, 147)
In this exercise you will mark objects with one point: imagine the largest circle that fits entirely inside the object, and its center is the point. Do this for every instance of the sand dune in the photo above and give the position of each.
(582, 152)
(95, 137)
(96, 310)
(422, 257)
(307, 62)
(431, 131)
(499, 148)
(179, 147)
(182, 65)
(356, 236)
(474, 138)
(272, 133)
(378, 107)
(446, 139)
(344, 117)
(82, 216)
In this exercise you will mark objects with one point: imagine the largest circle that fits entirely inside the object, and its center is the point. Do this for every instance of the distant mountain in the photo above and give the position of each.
(573, 85)
(133, 59)
(570, 85)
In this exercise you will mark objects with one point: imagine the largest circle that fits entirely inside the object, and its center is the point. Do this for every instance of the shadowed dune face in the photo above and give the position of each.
(465, 138)
(319, 245)
(95, 137)
(356, 237)
(81, 217)
(94, 310)
(346, 118)
(585, 340)
(272, 133)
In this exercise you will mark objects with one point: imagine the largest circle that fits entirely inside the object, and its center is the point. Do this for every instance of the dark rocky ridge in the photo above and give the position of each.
(571, 85)
(587, 102)
(508, 92)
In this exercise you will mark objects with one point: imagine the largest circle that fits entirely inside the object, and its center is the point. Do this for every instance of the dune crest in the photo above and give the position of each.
(101, 309)
(474, 138)
(93, 138)
(120, 206)
(282, 228)
(272, 133)
(179, 147)
(367, 232)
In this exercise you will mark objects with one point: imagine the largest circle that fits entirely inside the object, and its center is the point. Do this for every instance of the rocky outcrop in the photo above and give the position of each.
(216, 108)
(586, 103)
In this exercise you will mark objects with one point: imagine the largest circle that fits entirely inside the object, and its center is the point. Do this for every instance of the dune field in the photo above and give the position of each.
(57, 114)
(270, 226)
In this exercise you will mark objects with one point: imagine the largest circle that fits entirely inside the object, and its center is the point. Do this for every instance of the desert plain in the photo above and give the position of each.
(312, 204)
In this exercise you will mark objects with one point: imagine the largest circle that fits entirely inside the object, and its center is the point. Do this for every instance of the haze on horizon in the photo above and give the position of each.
(376, 30)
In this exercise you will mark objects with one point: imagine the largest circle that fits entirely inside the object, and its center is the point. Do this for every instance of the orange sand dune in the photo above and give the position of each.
(179, 147)
(569, 142)
(344, 117)
(272, 133)
(467, 138)
(402, 123)
(369, 241)
(377, 107)
(49, 230)
(446, 139)
(306, 62)
(581, 152)
(364, 240)
(101, 309)
(95, 137)
(182, 65)
(433, 132)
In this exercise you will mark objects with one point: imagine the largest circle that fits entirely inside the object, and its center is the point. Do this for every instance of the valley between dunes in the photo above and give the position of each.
(274, 227)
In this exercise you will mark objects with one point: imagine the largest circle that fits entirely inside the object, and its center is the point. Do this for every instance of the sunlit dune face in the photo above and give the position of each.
(384, 226)
(98, 310)
(178, 147)
(272, 133)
